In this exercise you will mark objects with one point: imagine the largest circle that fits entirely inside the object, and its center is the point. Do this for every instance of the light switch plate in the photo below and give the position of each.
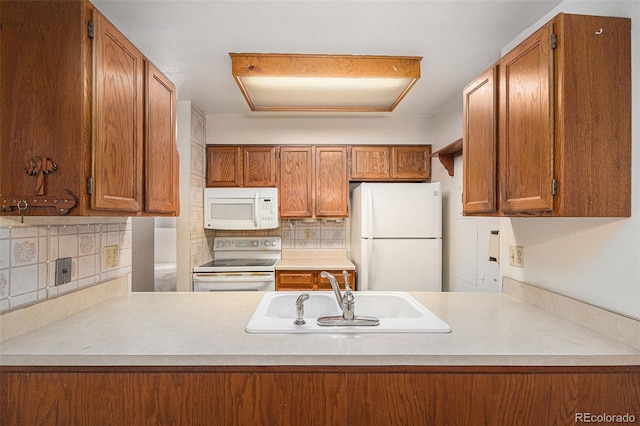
(63, 270)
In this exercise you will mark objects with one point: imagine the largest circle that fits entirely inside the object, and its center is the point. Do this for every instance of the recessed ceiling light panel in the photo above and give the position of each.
(296, 82)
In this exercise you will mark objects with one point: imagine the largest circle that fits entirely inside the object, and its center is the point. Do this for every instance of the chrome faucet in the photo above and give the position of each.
(345, 302)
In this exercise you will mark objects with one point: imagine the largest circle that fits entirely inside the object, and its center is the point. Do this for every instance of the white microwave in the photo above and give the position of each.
(241, 208)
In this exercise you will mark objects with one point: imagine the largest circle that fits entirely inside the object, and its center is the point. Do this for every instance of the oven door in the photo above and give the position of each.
(234, 281)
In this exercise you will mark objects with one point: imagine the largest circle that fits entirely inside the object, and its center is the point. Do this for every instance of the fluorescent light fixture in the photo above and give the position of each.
(346, 83)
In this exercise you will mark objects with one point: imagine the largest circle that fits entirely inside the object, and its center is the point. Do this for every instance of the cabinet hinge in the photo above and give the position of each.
(90, 186)
(90, 29)
(554, 41)
(554, 187)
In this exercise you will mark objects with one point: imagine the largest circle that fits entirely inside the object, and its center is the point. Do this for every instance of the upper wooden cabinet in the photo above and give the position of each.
(96, 124)
(331, 181)
(313, 181)
(480, 143)
(389, 163)
(117, 117)
(241, 166)
(563, 124)
(259, 166)
(161, 155)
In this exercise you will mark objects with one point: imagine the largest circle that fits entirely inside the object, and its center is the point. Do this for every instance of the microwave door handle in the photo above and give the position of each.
(256, 211)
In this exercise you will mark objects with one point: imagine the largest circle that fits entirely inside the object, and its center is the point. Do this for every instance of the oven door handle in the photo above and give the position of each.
(212, 277)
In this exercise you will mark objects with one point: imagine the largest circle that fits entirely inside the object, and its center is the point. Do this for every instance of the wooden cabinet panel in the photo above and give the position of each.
(331, 182)
(526, 127)
(42, 109)
(161, 155)
(296, 181)
(411, 162)
(564, 124)
(295, 280)
(118, 114)
(310, 280)
(313, 181)
(593, 116)
(386, 395)
(241, 166)
(370, 162)
(224, 166)
(259, 166)
(480, 142)
(92, 125)
(391, 163)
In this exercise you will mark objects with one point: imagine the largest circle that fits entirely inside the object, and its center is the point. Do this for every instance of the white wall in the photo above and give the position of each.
(318, 129)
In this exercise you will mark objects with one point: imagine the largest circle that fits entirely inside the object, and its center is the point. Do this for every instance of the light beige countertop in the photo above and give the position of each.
(318, 259)
(190, 329)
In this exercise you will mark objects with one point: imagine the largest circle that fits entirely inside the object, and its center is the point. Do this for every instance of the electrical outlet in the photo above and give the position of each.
(110, 257)
(63, 270)
(516, 256)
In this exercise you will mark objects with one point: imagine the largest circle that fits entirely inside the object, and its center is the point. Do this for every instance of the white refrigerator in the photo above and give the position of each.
(396, 236)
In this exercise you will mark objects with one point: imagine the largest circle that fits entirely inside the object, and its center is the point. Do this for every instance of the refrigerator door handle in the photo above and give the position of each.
(369, 263)
(370, 214)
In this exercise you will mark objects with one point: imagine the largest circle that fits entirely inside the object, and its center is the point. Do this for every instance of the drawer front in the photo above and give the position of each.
(294, 281)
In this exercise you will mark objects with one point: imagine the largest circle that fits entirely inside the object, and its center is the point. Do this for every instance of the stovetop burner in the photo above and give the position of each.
(224, 263)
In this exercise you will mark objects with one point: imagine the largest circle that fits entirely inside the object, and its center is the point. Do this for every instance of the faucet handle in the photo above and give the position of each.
(345, 275)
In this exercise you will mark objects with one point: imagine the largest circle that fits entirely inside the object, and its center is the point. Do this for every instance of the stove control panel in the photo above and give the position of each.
(247, 243)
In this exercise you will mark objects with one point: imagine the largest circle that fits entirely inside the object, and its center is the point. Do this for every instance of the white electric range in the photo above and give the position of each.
(240, 264)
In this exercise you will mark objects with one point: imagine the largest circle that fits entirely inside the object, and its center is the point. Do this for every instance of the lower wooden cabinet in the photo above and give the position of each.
(310, 280)
(324, 395)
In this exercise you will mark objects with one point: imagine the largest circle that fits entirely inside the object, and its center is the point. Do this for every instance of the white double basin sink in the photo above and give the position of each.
(399, 312)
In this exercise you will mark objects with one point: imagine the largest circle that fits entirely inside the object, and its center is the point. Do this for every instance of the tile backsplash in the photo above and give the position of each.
(28, 257)
(299, 234)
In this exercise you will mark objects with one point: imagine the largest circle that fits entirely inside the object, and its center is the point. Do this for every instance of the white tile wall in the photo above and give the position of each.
(28, 258)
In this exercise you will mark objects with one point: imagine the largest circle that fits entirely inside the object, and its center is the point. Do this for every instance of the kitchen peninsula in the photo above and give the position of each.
(187, 356)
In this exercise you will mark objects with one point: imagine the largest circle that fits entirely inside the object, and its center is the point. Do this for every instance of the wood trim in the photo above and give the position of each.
(447, 154)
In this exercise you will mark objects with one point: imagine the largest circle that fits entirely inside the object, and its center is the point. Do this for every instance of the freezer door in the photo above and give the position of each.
(396, 210)
(401, 265)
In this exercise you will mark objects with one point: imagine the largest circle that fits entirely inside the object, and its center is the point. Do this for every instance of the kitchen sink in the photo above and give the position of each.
(399, 312)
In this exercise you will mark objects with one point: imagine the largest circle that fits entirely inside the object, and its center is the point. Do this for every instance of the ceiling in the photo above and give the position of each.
(190, 41)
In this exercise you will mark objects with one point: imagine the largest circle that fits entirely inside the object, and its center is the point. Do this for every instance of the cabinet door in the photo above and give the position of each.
(526, 133)
(479, 144)
(296, 181)
(161, 155)
(40, 105)
(224, 166)
(370, 162)
(331, 182)
(118, 113)
(411, 162)
(259, 166)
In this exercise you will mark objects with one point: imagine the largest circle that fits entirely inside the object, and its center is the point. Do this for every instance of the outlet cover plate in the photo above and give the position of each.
(110, 257)
(63, 270)
(516, 256)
